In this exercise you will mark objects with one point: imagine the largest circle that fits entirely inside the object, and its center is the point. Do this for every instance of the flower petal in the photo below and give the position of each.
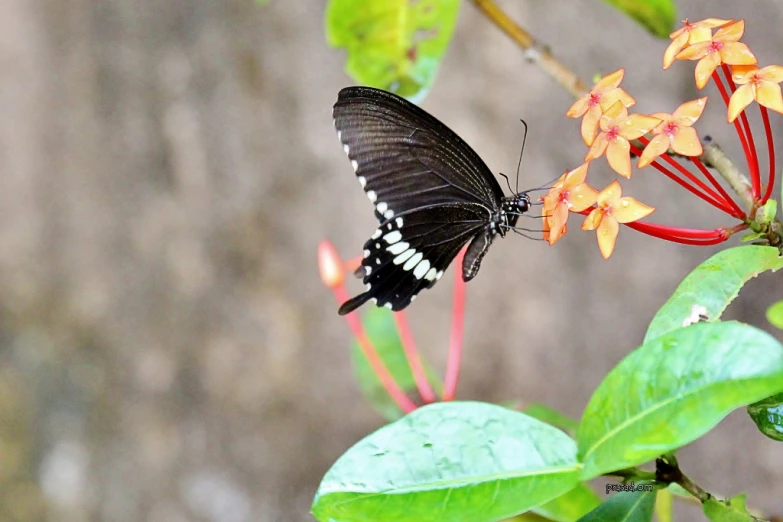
(711, 23)
(686, 142)
(665, 119)
(629, 209)
(705, 68)
(597, 148)
(618, 154)
(737, 53)
(657, 146)
(768, 95)
(610, 81)
(557, 223)
(607, 235)
(687, 113)
(701, 33)
(609, 195)
(730, 33)
(678, 44)
(616, 112)
(582, 197)
(579, 107)
(771, 73)
(739, 100)
(694, 52)
(593, 219)
(637, 125)
(590, 124)
(742, 74)
(576, 176)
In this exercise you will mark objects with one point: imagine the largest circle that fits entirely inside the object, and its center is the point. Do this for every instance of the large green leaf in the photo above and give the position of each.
(395, 45)
(674, 389)
(553, 417)
(768, 416)
(449, 461)
(628, 506)
(570, 506)
(657, 16)
(713, 285)
(732, 510)
(380, 328)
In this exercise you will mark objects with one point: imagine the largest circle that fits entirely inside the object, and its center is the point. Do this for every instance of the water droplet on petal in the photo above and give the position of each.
(624, 204)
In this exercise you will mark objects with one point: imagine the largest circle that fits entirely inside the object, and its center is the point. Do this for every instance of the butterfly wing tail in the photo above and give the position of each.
(354, 303)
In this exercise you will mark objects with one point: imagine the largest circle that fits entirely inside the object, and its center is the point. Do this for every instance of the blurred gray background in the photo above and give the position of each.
(168, 352)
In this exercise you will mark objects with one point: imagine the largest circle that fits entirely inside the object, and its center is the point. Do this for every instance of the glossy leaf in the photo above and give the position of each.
(775, 315)
(713, 285)
(733, 510)
(628, 506)
(553, 417)
(657, 16)
(570, 506)
(664, 504)
(768, 416)
(449, 461)
(391, 44)
(380, 328)
(674, 389)
(768, 211)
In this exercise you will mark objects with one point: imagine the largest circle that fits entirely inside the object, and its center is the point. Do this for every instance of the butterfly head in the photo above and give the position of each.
(513, 207)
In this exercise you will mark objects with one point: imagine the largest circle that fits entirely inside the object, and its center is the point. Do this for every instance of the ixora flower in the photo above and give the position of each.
(663, 140)
(590, 107)
(723, 48)
(757, 84)
(612, 210)
(617, 128)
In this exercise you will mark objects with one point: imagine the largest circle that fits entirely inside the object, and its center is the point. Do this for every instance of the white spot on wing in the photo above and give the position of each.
(399, 222)
(367, 271)
(339, 133)
(398, 248)
(355, 165)
(413, 261)
(346, 148)
(374, 300)
(377, 245)
(388, 214)
(440, 274)
(381, 207)
(362, 179)
(368, 286)
(413, 298)
(388, 305)
(431, 274)
(392, 237)
(421, 269)
(376, 234)
(377, 260)
(372, 195)
(404, 256)
(366, 254)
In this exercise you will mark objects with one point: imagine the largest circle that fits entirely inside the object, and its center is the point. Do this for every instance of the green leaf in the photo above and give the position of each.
(380, 328)
(570, 506)
(674, 389)
(752, 236)
(775, 315)
(392, 44)
(657, 16)
(553, 417)
(449, 461)
(768, 416)
(628, 506)
(769, 210)
(732, 510)
(713, 285)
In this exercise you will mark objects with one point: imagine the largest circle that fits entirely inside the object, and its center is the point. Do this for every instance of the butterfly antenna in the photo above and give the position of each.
(507, 181)
(519, 164)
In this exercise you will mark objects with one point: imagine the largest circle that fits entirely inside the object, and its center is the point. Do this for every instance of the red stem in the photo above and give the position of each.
(457, 324)
(756, 171)
(412, 354)
(738, 212)
(745, 147)
(666, 172)
(376, 363)
(771, 149)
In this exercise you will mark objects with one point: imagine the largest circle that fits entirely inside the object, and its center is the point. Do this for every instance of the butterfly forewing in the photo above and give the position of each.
(431, 192)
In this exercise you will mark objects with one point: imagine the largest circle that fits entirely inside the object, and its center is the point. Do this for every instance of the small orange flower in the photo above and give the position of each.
(570, 192)
(605, 93)
(723, 47)
(756, 84)
(675, 131)
(690, 33)
(618, 127)
(611, 211)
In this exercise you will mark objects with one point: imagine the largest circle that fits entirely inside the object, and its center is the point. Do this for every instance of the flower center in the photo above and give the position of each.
(595, 99)
(613, 132)
(670, 129)
(714, 47)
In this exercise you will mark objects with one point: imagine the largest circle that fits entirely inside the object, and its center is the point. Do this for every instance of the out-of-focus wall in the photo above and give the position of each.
(168, 167)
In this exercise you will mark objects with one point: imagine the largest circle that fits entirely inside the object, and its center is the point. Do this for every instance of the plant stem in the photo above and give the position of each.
(668, 473)
(457, 327)
(715, 157)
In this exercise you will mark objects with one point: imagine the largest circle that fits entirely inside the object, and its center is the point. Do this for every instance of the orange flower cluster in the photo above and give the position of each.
(608, 129)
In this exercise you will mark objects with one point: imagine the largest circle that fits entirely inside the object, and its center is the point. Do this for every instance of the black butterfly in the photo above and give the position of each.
(432, 194)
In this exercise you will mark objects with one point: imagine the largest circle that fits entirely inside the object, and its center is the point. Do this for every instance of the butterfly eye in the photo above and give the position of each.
(523, 205)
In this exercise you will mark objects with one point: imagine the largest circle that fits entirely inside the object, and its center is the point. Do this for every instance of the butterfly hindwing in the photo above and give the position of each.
(410, 252)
